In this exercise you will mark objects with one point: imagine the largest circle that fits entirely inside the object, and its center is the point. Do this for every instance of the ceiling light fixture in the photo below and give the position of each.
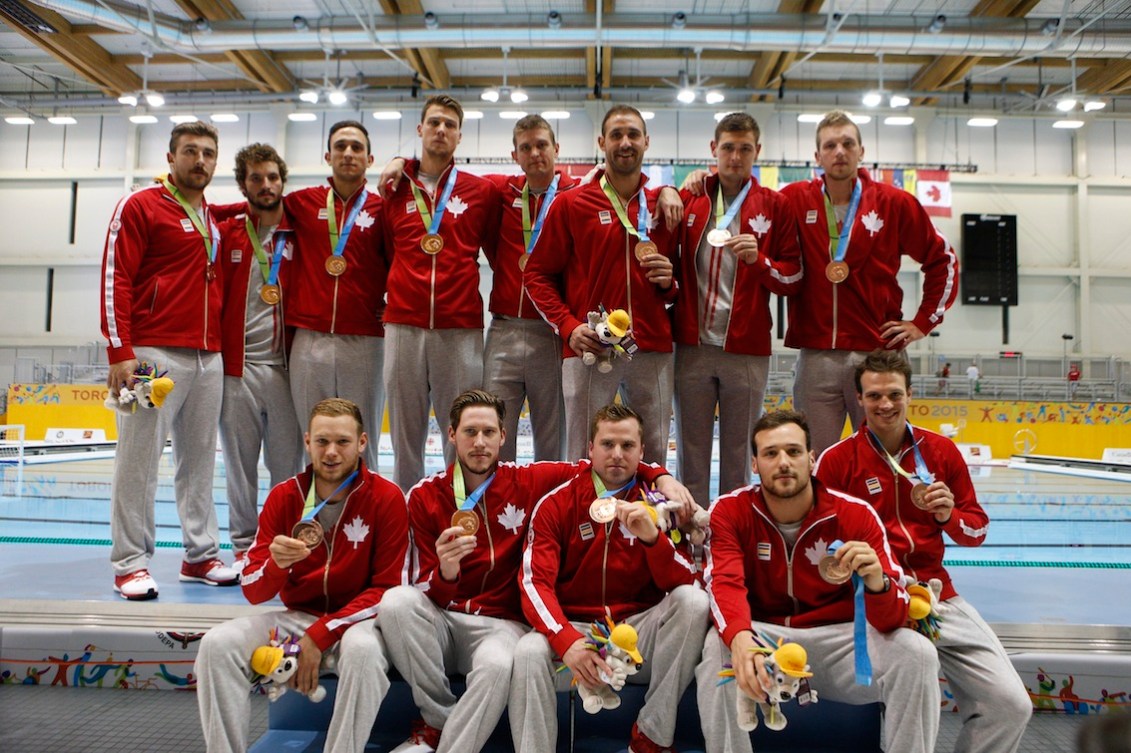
(810, 117)
(714, 97)
(686, 94)
(19, 120)
(679, 20)
(225, 117)
(302, 117)
(898, 120)
(309, 95)
(154, 99)
(859, 119)
(472, 114)
(337, 97)
(1067, 103)
(556, 115)
(982, 122)
(387, 115)
(130, 100)
(494, 94)
(178, 119)
(143, 119)
(431, 21)
(554, 19)
(647, 114)
(875, 97)
(299, 23)
(203, 25)
(898, 100)
(61, 120)
(1091, 105)
(512, 114)
(938, 23)
(1068, 124)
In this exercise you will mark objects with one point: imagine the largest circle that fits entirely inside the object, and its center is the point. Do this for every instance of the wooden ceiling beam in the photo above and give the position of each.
(268, 74)
(428, 62)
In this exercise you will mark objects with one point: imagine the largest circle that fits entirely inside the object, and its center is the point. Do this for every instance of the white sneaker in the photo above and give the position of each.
(424, 739)
(211, 572)
(136, 586)
(240, 562)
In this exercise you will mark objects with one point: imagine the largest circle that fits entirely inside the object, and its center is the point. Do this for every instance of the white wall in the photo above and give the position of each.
(1070, 190)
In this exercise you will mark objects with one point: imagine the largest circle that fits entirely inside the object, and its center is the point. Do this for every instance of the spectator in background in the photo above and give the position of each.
(973, 375)
(1073, 379)
(944, 377)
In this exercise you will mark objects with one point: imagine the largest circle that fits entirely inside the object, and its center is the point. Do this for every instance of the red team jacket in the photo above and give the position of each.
(488, 579)
(766, 214)
(889, 223)
(155, 289)
(585, 258)
(572, 568)
(440, 291)
(751, 575)
(856, 466)
(344, 584)
(238, 262)
(353, 303)
(508, 295)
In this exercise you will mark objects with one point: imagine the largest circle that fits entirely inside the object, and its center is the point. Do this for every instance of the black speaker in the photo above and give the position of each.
(989, 259)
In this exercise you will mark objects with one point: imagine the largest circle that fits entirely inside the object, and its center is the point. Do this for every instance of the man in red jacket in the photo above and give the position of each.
(603, 246)
(337, 295)
(593, 550)
(161, 296)
(854, 234)
(776, 568)
(739, 245)
(462, 613)
(436, 222)
(919, 484)
(257, 410)
(353, 548)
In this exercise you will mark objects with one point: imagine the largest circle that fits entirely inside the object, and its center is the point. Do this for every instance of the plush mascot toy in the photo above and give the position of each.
(613, 329)
(667, 514)
(787, 667)
(275, 664)
(926, 607)
(616, 644)
(149, 390)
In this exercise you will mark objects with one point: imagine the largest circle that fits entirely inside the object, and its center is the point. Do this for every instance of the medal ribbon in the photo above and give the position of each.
(338, 243)
(269, 268)
(641, 229)
(309, 510)
(850, 217)
(530, 235)
(722, 222)
(859, 626)
(465, 501)
(432, 222)
(922, 473)
(211, 243)
(602, 492)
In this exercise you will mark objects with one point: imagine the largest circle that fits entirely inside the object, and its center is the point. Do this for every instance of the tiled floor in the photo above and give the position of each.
(58, 720)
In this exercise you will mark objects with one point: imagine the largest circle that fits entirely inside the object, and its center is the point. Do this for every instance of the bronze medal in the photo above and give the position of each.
(432, 244)
(210, 272)
(308, 532)
(644, 248)
(522, 260)
(336, 265)
(919, 496)
(833, 571)
(270, 295)
(467, 520)
(603, 509)
(718, 237)
(836, 272)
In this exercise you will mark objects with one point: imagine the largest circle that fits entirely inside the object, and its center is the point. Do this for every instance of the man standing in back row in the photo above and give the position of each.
(436, 221)
(161, 295)
(854, 233)
(603, 246)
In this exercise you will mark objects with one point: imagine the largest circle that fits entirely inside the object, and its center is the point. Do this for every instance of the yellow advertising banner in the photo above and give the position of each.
(40, 407)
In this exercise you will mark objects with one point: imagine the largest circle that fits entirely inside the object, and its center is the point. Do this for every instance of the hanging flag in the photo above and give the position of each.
(933, 191)
(768, 177)
(789, 175)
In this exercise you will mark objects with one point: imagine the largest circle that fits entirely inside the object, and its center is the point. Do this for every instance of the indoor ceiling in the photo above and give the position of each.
(79, 56)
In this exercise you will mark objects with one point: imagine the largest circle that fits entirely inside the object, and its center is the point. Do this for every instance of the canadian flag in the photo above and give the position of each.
(933, 191)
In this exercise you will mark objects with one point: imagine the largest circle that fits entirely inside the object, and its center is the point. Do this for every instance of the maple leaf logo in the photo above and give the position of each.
(364, 220)
(456, 206)
(356, 531)
(872, 222)
(653, 220)
(814, 553)
(759, 224)
(512, 518)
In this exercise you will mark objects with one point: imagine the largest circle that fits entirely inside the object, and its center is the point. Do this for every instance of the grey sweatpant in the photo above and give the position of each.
(427, 643)
(670, 635)
(191, 414)
(706, 376)
(905, 678)
(348, 366)
(224, 678)
(257, 412)
(426, 368)
(824, 388)
(522, 361)
(646, 384)
(992, 700)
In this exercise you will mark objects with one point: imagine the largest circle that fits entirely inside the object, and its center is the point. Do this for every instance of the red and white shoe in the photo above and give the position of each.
(641, 743)
(211, 572)
(240, 561)
(136, 586)
(424, 739)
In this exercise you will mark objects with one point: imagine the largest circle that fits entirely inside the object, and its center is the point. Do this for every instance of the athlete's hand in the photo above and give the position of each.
(451, 547)
(286, 551)
(586, 664)
(639, 520)
(695, 182)
(939, 500)
(585, 340)
(121, 375)
(671, 206)
(900, 334)
(744, 246)
(390, 177)
(305, 678)
(749, 667)
(658, 270)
